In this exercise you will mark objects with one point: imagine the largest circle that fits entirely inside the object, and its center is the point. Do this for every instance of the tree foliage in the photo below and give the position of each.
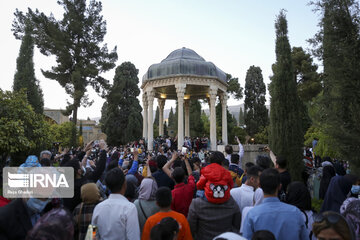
(171, 120)
(286, 137)
(62, 133)
(339, 105)
(22, 131)
(121, 118)
(241, 117)
(234, 87)
(75, 42)
(256, 112)
(196, 123)
(25, 73)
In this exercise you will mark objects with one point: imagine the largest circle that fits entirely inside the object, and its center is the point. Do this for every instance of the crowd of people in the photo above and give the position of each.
(127, 192)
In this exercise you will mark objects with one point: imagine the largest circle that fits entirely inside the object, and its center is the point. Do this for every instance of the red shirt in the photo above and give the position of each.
(182, 195)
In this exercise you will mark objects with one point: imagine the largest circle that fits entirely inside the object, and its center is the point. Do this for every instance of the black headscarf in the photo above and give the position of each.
(327, 174)
(299, 196)
(337, 191)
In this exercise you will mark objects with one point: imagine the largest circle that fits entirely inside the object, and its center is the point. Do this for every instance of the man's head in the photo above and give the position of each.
(161, 160)
(217, 157)
(45, 154)
(248, 165)
(228, 149)
(263, 161)
(253, 176)
(270, 181)
(178, 175)
(115, 181)
(281, 162)
(163, 197)
(235, 158)
(75, 164)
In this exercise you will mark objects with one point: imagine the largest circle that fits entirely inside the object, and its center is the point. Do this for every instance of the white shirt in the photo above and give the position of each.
(244, 196)
(116, 218)
(241, 155)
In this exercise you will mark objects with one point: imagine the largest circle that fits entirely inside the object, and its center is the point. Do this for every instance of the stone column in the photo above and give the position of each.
(180, 91)
(224, 98)
(187, 117)
(150, 100)
(145, 116)
(161, 103)
(213, 93)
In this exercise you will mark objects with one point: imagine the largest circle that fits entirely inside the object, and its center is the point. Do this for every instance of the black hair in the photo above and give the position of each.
(178, 174)
(263, 235)
(163, 197)
(65, 159)
(161, 160)
(281, 161)
(229, 149)
(45, 162)
(115, 179)
(195, 160)
(269, 180)
(263, 161)
(217, 157)
(75, 164)
(253, 171)
(235, 158)
(248, 165)
(166, 229)
(112, 164)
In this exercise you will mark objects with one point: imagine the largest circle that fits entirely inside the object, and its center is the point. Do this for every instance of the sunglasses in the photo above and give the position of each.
(332, 218)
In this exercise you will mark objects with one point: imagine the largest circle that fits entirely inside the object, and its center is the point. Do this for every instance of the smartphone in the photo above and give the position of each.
(184, 150)
(132, 150)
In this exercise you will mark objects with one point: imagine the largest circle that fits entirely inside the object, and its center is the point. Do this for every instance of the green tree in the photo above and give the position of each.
(171, 120)
(75, 41)
(206, 121)
(122, 121)
(339, 106)
(22, 131)
(25, 73)
(241, 117)
(157, 116)
(256, 111)
(286, 137)
(62, 133)
(234, 87)
(196, 124)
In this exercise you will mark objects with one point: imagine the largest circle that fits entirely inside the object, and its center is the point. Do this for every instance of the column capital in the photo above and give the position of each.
(180, 89)
(223, 99)
(161, 103)
(150, 95)
(213, 92)
(144, 99)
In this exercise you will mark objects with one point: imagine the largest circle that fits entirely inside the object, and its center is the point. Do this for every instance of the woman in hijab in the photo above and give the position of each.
(328, 173)
(299, 196)
(337, 192)
(352, 214)
(146, 203)
(83, 212)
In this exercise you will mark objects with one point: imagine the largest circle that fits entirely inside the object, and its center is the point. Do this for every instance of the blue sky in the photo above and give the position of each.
(233, 34)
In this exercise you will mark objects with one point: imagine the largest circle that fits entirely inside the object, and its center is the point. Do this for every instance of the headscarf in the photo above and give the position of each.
(299, 196)
(56, 224)
(337, 191)
(31, 161)
(148, 188)
(327, 173)
(352, 214)
(90, 193)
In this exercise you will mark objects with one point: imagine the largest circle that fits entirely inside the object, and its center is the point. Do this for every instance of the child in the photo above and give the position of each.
(215, 180)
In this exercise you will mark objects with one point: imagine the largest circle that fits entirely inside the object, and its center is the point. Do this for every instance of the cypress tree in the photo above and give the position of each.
(285, 124)
(25, 73)
(171, 119)
(340, 103)
(123, 120)
(241, 117)
(196, 123)
(256, 112)
(157, 116)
